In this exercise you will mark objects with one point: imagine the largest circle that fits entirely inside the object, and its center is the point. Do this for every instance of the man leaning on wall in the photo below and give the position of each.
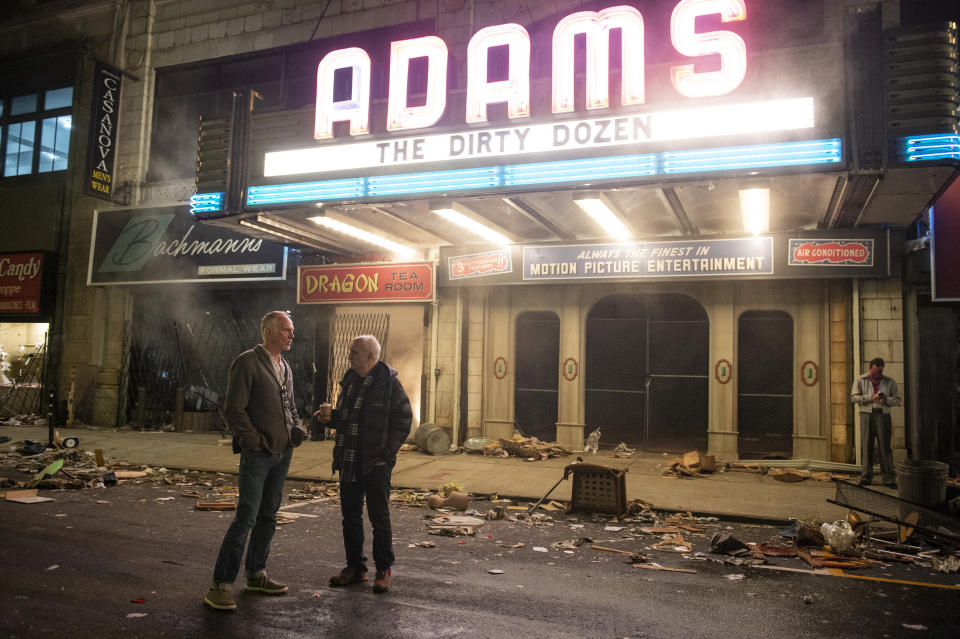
(874, 393)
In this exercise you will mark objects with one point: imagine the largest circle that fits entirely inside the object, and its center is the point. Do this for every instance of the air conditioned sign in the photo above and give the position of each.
(831, 252)
(386, 282)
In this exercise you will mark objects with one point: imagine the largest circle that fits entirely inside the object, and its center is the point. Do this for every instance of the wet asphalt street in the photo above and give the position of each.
(79, 566)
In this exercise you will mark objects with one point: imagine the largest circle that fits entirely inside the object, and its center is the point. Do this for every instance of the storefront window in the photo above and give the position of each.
(21, 116)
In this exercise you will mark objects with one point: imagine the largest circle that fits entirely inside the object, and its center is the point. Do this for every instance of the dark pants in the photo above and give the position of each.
(877, 425)
(260, 485)
(375, 485)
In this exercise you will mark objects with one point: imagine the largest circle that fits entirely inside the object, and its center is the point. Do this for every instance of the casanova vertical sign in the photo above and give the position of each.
(102, 141)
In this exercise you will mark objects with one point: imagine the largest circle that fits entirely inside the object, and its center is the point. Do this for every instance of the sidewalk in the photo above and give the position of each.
(729, 494)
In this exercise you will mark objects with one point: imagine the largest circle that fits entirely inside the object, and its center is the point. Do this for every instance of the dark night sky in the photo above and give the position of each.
(920, 11)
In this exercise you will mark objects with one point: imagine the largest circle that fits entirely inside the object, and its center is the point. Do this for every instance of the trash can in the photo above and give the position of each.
(432, 439)
(923, 482)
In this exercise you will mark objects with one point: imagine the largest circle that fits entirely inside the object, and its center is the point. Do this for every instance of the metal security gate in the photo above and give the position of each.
(190, 354)
(189, 349)
(343, 329)
(765, 385)
(939, 373)
(23, 395)
(537, 377)
(646, 372)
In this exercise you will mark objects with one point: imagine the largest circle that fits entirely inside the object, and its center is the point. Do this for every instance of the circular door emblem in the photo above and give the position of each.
(723, 371)
(809, 373)
(570, 369)
(500, 368)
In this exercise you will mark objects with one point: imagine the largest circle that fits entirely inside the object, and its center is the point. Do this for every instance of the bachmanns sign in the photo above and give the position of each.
(716, 66)
(165, 245)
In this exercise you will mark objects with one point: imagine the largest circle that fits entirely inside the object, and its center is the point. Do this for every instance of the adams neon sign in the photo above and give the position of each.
(596, 27)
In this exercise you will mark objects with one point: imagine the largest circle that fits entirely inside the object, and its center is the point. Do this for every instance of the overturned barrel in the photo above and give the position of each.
(432, 439)
(923, 482)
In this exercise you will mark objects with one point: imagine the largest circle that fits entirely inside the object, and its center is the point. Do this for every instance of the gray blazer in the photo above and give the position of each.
(258, 413)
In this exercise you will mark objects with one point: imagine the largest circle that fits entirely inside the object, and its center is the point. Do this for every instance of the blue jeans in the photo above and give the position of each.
(375, 485)
(260, 485)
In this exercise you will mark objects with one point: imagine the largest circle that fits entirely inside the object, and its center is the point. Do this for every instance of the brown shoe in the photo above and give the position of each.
(349, 575)
(382, 581)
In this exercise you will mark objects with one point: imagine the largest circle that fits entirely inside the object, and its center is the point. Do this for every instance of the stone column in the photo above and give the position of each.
(498, 365)
(570, 416)
(722, 431)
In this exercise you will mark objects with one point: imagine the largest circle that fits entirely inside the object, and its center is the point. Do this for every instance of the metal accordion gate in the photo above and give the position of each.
(765, 385)
(343, 329)
(537, 383)
(646, 372)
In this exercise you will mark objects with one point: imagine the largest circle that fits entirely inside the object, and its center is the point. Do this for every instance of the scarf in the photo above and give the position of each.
(348, 430)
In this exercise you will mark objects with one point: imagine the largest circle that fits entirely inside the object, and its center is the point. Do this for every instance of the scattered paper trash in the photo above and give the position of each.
(539, 549)
(495, 571)
(134, 615)
(53, 567)
(735, 577)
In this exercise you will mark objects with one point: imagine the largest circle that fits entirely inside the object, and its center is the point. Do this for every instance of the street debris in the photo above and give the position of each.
(505, 545)
(622, 451)
(423, 544)
(635, 534)
(788, 475)
(692, 464)
(216, 505)
(454, 500)
(592, 445)
(947, 564)
(724, 543)
(839, 535)
(529, 448)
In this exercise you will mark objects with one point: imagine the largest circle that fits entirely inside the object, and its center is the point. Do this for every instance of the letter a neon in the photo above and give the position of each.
(356, 109)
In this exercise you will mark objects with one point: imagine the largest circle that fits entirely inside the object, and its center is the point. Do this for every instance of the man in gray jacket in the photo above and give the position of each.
(260, 410)
(874, 394)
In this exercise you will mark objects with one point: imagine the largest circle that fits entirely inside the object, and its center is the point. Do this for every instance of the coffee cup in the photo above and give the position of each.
(323, 413)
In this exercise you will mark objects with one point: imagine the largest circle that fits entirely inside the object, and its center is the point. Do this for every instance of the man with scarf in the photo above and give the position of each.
(875, 393)
(372, 420)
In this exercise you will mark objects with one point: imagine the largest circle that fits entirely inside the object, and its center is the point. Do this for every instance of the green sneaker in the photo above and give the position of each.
(220, 596)
(262, 583)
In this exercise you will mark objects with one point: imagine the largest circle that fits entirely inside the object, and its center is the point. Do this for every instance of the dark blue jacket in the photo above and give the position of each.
(385, 417)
